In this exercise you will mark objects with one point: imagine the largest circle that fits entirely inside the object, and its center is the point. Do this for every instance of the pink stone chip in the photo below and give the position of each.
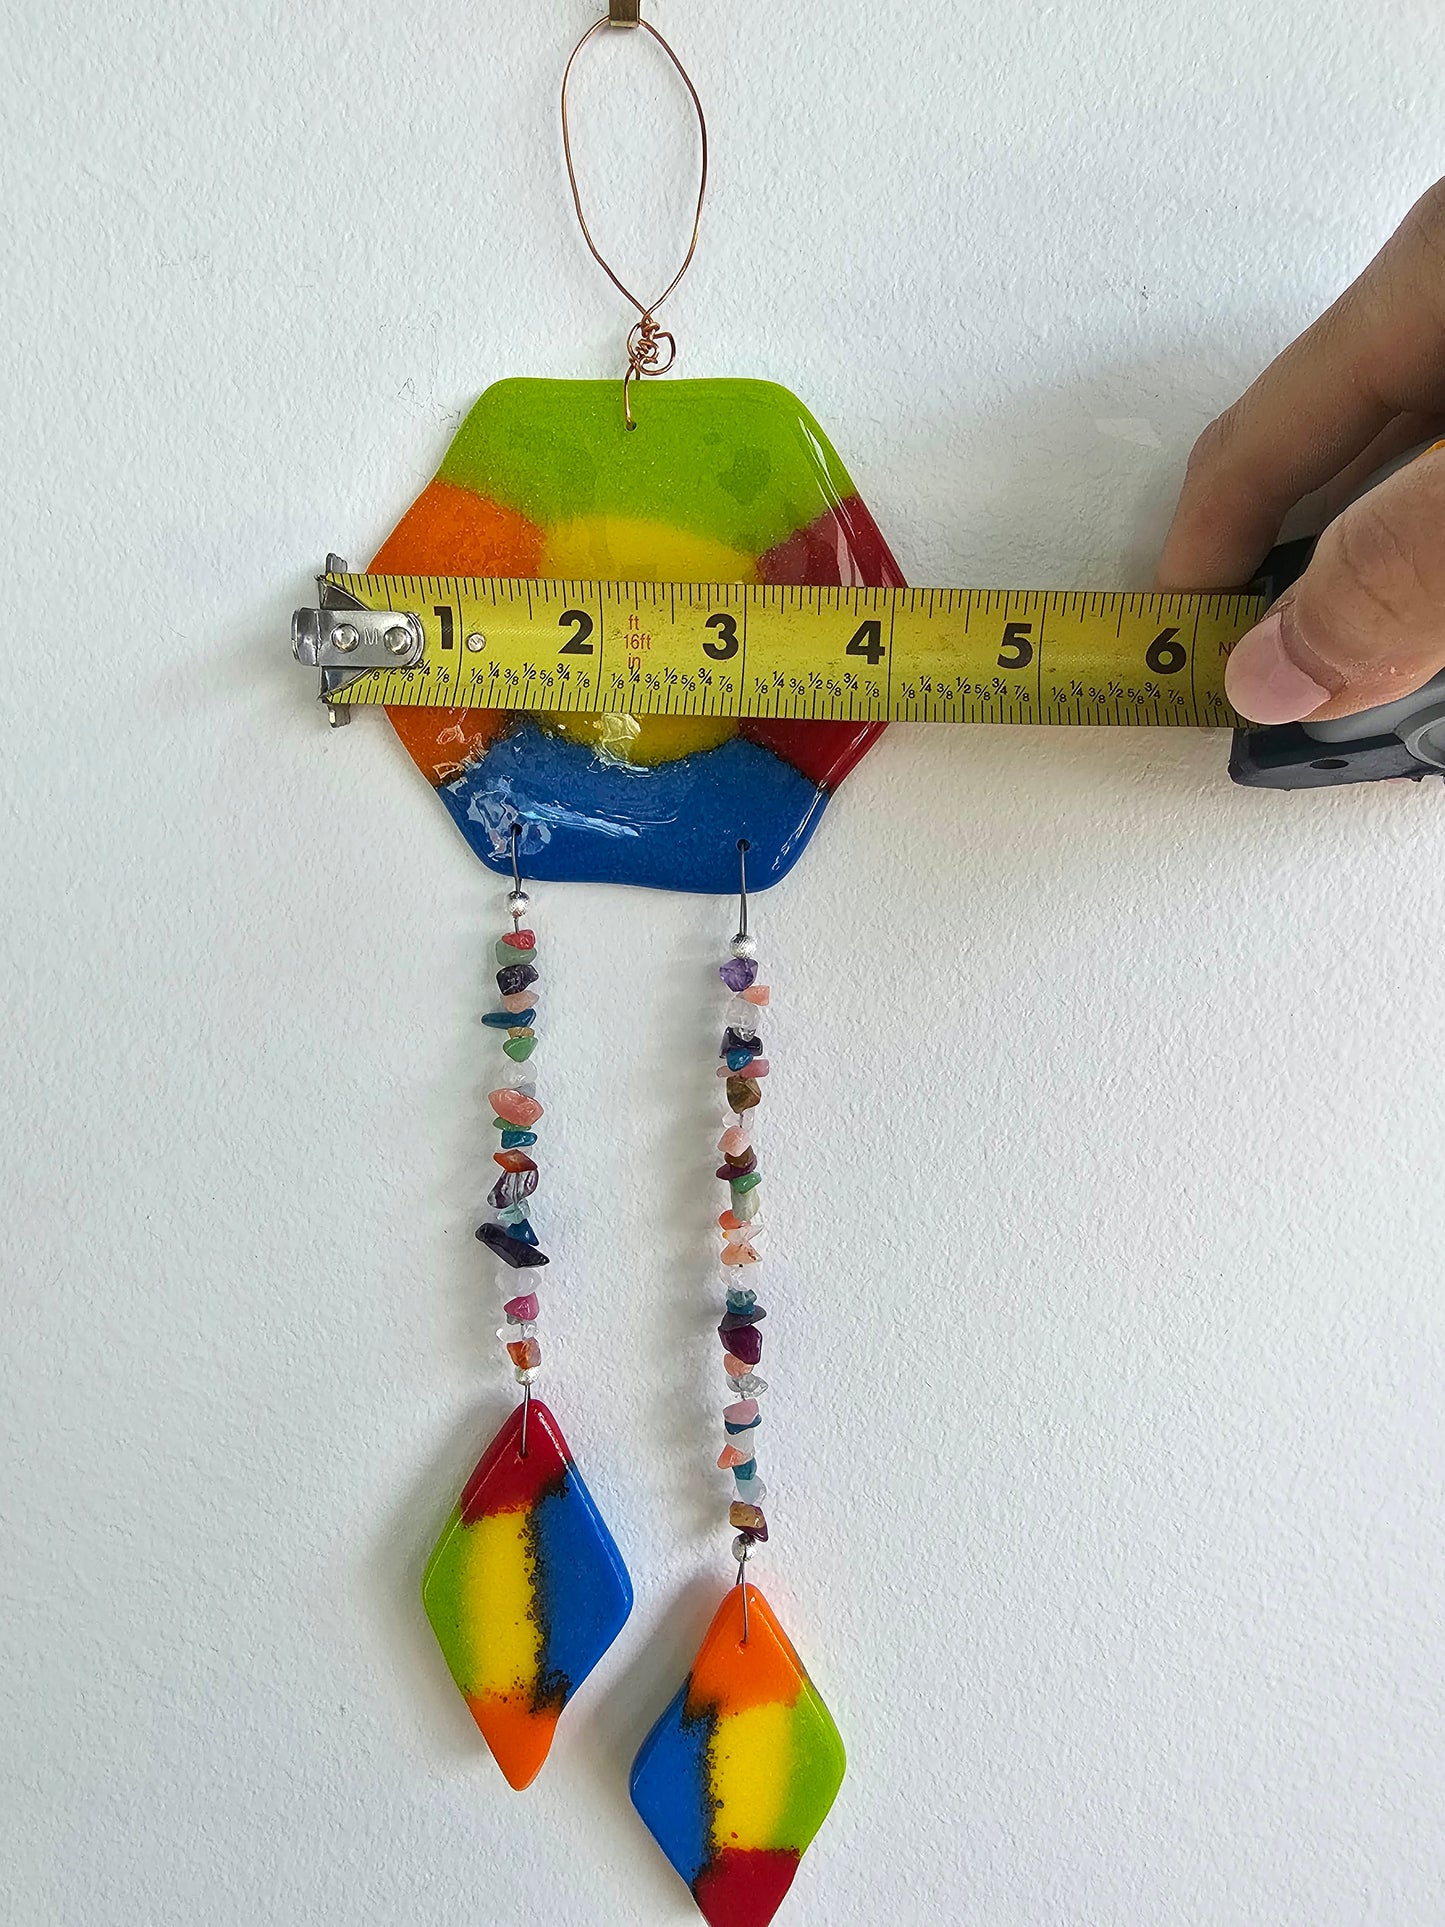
(525, 1309)
(743, 1413)
(734, 1142)
(519, 1000)
(731, 1456)
(756, 994)
(735, 1367)
(516, 1107)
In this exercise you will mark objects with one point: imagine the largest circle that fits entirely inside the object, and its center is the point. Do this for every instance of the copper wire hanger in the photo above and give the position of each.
(647, 343)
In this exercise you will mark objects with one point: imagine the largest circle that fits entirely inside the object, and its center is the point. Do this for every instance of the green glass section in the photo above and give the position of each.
(736, 461)
(818, 1765)
(442, 1595)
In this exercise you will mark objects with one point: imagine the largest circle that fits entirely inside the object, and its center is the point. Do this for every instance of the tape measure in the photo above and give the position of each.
(806, 654)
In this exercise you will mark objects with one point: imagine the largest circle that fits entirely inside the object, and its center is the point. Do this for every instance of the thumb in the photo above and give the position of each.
(1365, 623)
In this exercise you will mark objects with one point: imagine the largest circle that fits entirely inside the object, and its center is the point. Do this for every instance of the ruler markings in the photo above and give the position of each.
(805, 651)
(1039, 663)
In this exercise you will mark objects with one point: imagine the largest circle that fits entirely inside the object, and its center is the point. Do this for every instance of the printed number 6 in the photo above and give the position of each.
(1165, 656)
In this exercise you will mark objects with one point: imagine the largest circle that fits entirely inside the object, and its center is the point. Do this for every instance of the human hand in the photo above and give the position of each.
(1366, 622)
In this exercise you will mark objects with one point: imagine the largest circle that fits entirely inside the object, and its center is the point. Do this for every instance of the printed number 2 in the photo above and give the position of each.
(1018, 649)
(582, 623)
(727, 644)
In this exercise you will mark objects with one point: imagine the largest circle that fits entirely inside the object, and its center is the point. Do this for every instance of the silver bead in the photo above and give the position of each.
(744, 946)
(518, 903)
(742, 1548)
(527, 1374)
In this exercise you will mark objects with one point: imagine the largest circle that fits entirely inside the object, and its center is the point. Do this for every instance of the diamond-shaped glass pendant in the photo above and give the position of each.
(740, 1772)
(525, 1590)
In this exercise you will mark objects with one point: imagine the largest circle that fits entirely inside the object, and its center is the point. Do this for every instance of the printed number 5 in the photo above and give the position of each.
(1018, 649)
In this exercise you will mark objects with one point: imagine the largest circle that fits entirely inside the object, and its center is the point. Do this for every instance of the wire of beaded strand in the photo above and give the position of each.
(743, 1067)
(509, 1235)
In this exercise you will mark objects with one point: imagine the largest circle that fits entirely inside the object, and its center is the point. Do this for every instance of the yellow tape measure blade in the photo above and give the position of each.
(1078, 657)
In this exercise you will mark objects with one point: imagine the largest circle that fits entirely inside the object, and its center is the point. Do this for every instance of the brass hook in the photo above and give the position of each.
(651, 350)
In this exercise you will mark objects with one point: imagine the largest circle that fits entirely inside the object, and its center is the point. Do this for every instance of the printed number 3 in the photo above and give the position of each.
(727, 644)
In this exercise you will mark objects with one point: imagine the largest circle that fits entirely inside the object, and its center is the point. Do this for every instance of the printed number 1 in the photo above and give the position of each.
(447, 620)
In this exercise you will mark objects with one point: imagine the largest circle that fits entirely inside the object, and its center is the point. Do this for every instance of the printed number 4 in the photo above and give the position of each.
(868, 643)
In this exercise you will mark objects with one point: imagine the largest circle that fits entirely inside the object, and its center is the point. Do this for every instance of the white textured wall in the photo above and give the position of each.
(1105, 1146)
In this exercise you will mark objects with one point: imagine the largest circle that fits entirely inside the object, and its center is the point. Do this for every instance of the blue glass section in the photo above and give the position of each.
(686, 817)
(583, 1593)
(509, 1019)
(518, 1140)
(521, 1229)
(670, 1788)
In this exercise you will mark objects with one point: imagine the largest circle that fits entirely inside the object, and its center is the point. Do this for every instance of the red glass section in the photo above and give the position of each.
(504, 1481)
(744, 1887)
(843, 549)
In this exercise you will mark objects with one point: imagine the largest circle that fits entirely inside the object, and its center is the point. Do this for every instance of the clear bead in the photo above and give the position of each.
(748, 1385)
(752, 1233)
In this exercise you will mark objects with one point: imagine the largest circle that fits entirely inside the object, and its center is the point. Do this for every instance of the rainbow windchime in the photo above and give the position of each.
(722, 481)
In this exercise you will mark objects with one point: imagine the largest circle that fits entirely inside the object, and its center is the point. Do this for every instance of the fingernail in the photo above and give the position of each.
(1263, 683)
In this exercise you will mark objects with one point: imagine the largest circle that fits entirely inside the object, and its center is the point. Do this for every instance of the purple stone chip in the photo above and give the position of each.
(739, 973)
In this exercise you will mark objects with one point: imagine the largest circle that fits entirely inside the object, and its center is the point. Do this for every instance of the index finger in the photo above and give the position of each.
(1377, 353)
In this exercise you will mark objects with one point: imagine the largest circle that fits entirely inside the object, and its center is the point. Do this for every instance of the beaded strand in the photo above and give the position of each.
(510, 1237)
(743, 1066)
